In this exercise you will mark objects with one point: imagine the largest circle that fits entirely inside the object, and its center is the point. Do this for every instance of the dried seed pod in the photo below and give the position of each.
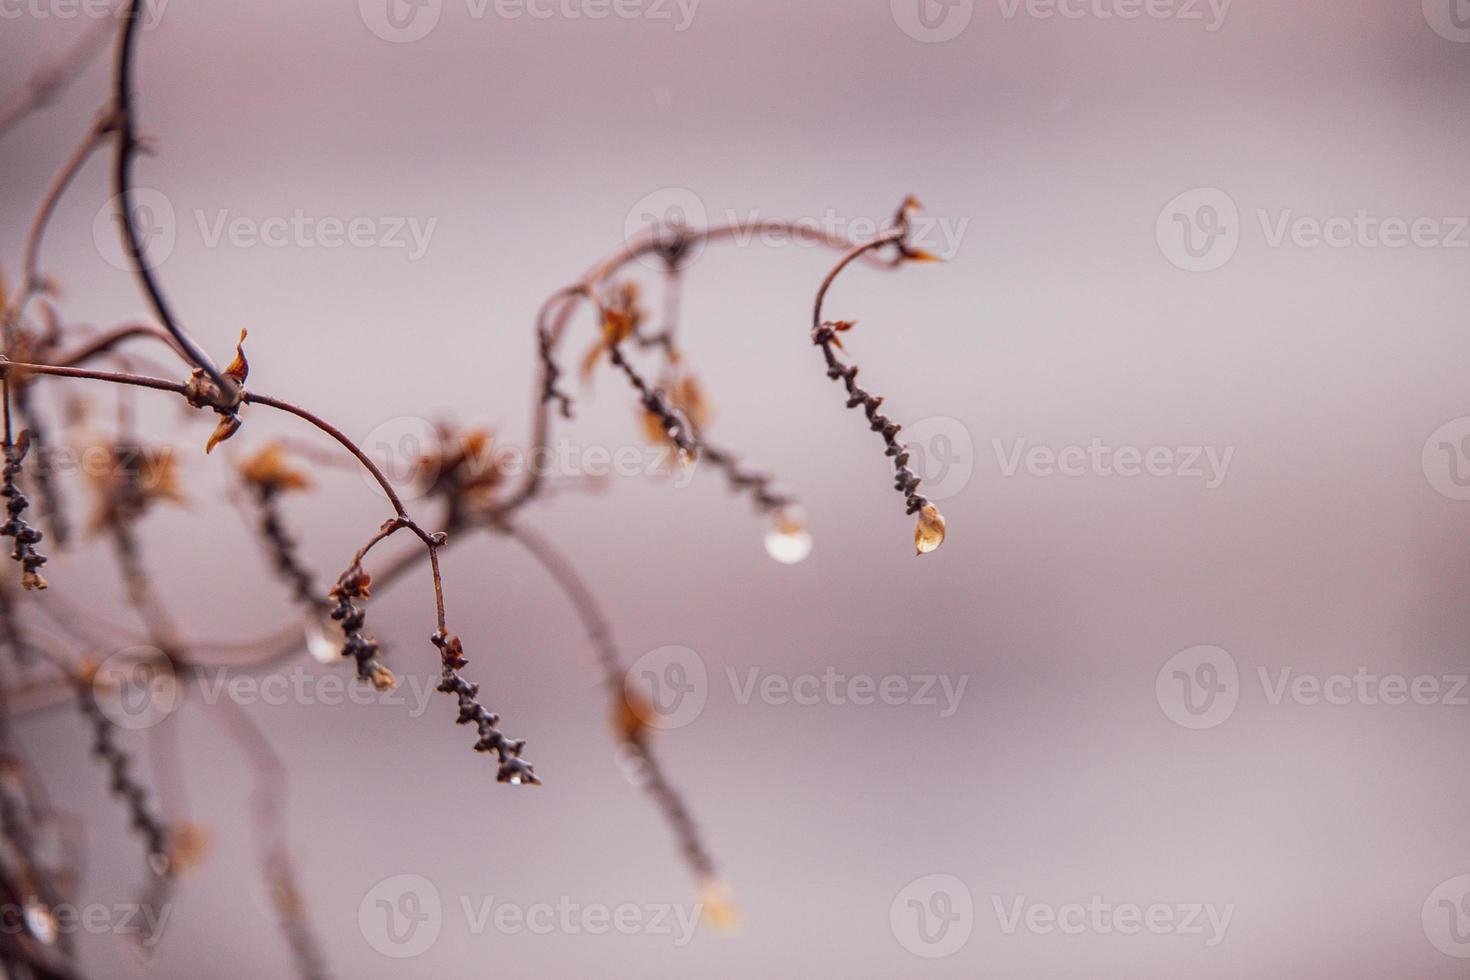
(512, 769)
(929, 534)
(26, 537)
(352, 586)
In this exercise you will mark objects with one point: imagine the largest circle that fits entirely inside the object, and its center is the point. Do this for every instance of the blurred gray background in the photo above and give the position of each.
(1056, 147)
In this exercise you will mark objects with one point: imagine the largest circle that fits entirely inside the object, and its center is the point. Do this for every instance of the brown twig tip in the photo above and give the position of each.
(929, 534)
(513, 769)
(354, 585)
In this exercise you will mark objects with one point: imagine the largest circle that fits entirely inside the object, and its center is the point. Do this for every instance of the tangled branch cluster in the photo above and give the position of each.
(472, 492)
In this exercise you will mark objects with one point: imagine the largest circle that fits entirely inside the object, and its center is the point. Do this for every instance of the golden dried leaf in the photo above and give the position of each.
(165, 482)
(383, 679)
(929, 532)
(239, 368)
(631, 716)
(228, 426)
(270, 468)
(840, 326)
(719, 906)
(653, 428)
(689, 397)
(189, 846)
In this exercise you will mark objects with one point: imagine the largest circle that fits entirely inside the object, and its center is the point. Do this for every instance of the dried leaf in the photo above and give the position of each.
(228, 426)
(689, 397)
(653, 428)
(239, 368)
(188, 846)
(719, 908)
(631, 716)
(269, 468)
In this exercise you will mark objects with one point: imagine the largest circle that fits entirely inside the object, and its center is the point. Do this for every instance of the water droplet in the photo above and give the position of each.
(41, 923)
(788, 541)
(929, 533)
(324, 646)
(515, 779)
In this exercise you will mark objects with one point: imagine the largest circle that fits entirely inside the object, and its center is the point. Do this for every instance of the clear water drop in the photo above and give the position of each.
(788, 540)
(325, 648)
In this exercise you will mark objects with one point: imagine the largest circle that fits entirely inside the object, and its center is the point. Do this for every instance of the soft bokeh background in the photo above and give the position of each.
(1058, 320)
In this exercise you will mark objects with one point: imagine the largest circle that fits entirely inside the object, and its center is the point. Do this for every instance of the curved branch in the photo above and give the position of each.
(122, 179)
